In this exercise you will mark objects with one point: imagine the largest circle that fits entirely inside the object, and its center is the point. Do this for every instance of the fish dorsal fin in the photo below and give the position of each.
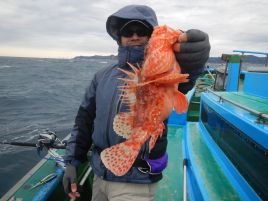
(123, 124)
(180, 102)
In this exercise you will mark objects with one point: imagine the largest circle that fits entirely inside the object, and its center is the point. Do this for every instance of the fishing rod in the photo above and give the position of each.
(23, 144)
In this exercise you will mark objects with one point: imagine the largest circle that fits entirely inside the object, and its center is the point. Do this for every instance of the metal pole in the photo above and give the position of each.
(184, 179)
(83, 179)
(240, 68)
(210, 74)
(224, 75)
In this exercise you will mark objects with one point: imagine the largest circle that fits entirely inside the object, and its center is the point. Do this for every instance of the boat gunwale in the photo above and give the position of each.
(19, 184)
(255, 131)
(233, 175)
(194, 166)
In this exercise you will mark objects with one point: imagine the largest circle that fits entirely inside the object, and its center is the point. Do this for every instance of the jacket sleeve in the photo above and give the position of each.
(160, 147)
(193, 75)
(80, 140)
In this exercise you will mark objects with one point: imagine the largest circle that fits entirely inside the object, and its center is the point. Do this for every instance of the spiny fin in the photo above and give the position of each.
(168, 78)
(120, 158)
(180, 102)
(133, 76)
(123, 124)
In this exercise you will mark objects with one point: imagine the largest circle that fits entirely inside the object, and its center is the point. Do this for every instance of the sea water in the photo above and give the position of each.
(35, 95)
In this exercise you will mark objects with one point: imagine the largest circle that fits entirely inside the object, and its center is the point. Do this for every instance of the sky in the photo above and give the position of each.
(69, 28)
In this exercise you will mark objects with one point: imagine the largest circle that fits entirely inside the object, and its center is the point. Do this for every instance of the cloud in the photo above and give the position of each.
(78, 27)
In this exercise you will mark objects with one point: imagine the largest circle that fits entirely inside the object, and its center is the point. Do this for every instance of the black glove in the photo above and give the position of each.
(195, 52)
(69, 177)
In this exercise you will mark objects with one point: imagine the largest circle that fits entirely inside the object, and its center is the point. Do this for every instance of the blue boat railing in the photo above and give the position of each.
(253, 52)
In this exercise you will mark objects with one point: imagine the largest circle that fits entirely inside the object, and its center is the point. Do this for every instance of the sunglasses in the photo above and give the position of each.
(140, 31)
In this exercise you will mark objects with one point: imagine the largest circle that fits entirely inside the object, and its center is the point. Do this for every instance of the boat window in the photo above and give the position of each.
(250, 158)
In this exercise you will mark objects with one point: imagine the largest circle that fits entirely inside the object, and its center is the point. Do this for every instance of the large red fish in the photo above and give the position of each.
(151, 92)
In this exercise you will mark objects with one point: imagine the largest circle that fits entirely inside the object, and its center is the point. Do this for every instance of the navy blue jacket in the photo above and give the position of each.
(94, 120)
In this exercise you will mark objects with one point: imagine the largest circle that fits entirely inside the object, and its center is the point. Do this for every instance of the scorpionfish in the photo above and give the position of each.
(151, 93)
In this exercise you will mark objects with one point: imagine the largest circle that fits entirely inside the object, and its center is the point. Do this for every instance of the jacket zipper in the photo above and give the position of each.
(109, 119)
(111, 107)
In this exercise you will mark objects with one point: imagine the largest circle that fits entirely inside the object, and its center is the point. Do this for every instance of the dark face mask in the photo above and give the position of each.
(130, 54)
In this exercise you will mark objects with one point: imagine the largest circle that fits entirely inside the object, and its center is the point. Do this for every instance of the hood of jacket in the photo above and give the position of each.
(131, 12)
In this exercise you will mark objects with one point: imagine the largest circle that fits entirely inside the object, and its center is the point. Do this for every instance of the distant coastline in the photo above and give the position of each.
(246, 58)
(96, 57)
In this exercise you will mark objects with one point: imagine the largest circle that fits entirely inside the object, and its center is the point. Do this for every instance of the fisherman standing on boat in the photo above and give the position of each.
(131, 27)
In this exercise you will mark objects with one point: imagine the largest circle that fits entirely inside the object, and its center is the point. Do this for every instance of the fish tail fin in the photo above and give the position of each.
(120, 158)
(180, 102)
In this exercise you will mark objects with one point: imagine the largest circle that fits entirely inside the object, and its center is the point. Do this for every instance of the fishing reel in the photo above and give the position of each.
(48, 140)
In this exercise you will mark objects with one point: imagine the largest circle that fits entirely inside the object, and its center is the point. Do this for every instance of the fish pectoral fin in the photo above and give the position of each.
(180, 102)
(123, 124)
(120, 158)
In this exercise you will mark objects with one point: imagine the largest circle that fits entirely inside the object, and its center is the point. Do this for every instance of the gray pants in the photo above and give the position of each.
(118, 191)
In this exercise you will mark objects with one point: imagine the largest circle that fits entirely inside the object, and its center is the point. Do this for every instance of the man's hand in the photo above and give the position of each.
(192, 49)
(70, 182)
(154, 166)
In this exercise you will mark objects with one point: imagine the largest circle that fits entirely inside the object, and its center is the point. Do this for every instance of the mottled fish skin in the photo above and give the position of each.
(151, 93)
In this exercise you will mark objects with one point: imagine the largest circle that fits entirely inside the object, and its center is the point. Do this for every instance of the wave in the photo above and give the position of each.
(5, 66)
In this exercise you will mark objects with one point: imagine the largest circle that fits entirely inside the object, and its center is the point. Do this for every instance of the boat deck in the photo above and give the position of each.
(257, 103)
(171, 186)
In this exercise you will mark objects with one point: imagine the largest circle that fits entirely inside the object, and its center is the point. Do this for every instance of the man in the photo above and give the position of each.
(131, 27)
